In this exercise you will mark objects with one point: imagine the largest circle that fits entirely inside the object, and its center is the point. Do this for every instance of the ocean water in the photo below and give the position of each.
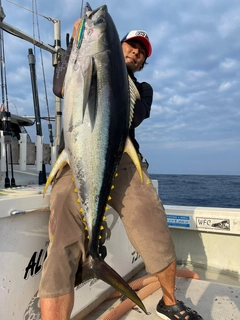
(199, 190)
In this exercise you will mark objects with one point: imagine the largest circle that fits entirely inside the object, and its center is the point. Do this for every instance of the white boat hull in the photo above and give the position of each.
(23, 246)
(209, 237)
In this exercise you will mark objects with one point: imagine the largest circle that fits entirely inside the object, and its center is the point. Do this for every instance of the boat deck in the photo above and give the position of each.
(213, 300)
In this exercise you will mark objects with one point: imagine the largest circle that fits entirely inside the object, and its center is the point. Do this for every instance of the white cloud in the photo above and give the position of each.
(158, 96)
(177, 100)
(225, 86)
(195, 75)
(167, 74)
(196, 37)
(194, 68)
(228, 64)
(229, 22)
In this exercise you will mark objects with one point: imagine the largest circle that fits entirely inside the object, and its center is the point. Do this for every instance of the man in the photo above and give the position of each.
(138, 206)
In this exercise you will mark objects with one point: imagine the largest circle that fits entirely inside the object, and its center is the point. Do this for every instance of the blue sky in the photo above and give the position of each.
(194, 70)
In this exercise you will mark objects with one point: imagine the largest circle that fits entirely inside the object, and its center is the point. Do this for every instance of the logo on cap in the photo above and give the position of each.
(141, 34)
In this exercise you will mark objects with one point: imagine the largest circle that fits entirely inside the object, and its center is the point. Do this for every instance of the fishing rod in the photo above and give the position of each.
(6, 115)
(35, 13)
(32, 65)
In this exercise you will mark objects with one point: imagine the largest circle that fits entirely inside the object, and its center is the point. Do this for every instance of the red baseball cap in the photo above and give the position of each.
(142, 37)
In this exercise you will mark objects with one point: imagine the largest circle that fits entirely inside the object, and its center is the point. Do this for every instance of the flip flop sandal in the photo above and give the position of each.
(176, 312)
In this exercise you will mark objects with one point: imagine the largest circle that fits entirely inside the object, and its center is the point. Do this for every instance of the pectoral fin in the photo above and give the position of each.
(86, 75)
(131, 151)
(60, 162)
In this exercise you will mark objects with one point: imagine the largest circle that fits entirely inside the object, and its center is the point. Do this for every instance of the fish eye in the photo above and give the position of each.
(100, 21)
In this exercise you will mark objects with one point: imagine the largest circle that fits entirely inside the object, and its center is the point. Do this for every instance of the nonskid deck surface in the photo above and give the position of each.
(212, 300)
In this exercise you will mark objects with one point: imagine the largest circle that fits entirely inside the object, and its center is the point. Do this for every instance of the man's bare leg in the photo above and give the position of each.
(167, 280)
(58, 308)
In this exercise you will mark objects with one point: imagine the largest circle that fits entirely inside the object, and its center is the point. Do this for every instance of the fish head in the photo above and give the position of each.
(95, 24)
(99, 30)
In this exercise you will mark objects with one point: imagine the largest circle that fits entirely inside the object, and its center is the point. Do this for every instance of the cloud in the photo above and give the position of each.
(229, 22)
(194, 72)
(226, 86)
(229, 65)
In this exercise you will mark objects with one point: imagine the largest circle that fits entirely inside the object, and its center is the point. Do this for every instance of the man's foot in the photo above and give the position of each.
(176, 312)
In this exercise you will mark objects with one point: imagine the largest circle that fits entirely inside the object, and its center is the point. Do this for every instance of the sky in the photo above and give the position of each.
(194, 70)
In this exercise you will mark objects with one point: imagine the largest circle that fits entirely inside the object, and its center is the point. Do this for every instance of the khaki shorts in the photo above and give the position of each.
(139, 208)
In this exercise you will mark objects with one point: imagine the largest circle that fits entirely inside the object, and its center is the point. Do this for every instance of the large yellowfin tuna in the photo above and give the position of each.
(98, 102)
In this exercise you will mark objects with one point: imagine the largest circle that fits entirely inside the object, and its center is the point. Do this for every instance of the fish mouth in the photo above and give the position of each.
(90, 14)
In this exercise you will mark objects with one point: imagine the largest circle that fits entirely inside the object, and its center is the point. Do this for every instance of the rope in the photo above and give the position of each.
(45, 17)
(147, 285)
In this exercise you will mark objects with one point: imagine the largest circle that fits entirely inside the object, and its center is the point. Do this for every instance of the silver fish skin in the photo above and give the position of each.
(96, 116)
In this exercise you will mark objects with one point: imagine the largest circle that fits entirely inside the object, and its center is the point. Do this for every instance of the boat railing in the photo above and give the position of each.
(27, 153)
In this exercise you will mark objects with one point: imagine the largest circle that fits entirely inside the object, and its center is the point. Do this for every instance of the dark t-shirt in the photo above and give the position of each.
(142, 106)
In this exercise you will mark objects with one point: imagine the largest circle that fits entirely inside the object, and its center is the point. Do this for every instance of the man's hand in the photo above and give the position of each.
(76, 28)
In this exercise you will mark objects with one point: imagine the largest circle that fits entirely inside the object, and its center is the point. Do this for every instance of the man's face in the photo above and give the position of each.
(134, 54)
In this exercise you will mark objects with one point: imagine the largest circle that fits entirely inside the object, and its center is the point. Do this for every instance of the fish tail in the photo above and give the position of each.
(98, 268)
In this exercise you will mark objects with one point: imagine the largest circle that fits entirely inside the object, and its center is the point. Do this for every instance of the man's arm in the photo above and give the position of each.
(61, 68)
